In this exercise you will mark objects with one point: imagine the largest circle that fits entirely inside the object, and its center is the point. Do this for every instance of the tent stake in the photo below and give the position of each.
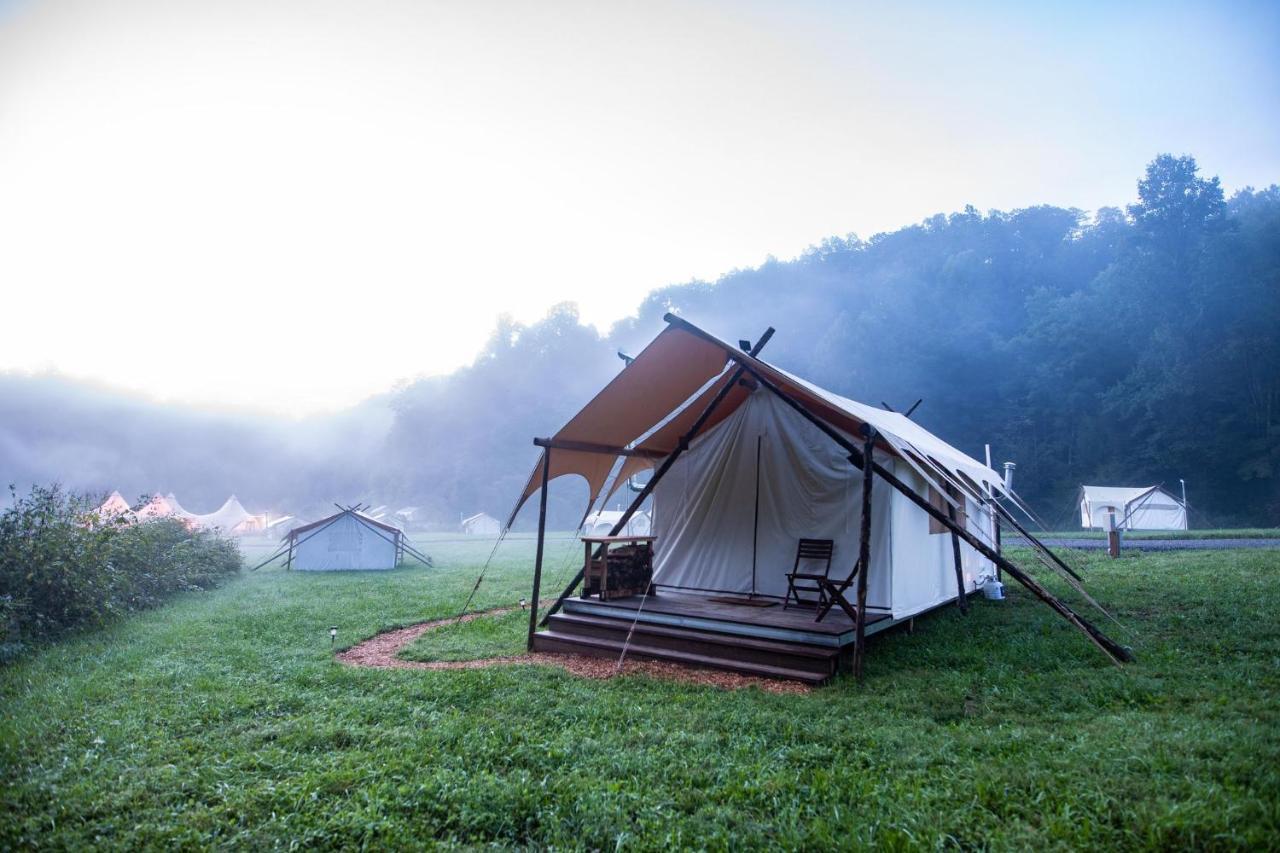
(681, 447)
(542, 533)
(864, 549)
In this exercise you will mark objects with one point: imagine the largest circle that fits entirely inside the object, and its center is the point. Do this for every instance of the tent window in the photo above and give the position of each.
(935, 499)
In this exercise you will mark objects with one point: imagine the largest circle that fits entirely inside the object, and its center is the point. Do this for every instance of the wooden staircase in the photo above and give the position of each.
(605, 636)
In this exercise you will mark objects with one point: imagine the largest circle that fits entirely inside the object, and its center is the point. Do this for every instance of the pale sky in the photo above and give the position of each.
(289, 206)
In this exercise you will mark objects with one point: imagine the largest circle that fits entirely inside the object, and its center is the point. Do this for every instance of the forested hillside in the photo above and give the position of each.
(1127, 347)
(1131, 347)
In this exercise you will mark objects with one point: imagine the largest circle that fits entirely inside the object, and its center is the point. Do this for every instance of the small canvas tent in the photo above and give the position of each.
(344, 541)
(749, 459)
(1142, 508)
(481, 524)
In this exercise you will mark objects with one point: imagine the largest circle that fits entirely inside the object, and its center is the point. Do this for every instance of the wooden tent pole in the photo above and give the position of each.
(1113, 649)
(681, 447)
(542, 534)
(864, 549)
(961, 598)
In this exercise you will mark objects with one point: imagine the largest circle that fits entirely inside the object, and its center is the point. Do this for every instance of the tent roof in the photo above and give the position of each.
(1117, 495)
(227, 516)
(658, 398)
(477, 517)
(298, 531)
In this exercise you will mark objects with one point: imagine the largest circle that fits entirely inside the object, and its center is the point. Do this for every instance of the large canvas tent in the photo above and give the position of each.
(1141, 508)
(750, 458)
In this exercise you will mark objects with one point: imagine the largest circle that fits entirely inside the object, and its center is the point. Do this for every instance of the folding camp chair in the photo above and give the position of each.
(829, 592)
(809, 582)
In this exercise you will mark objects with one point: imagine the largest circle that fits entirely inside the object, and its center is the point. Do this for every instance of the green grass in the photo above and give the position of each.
(223, 720)
(1225, 533)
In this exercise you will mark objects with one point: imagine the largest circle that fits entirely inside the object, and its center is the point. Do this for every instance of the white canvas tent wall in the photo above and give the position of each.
(707, 538)
(345, 541)
(1142, 508)
(481, 524)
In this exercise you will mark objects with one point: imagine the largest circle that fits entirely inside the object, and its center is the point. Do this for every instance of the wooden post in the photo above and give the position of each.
(961, 598)
(681, 447)
(864, 548)
(542, 533)
(1113, 537)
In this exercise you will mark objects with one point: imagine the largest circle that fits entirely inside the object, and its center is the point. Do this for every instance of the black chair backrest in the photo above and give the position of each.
(816, 549)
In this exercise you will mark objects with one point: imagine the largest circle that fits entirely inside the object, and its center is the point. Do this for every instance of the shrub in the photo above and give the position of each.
(62, 567)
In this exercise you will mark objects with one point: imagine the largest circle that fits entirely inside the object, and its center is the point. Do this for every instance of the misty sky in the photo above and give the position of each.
(288, 206)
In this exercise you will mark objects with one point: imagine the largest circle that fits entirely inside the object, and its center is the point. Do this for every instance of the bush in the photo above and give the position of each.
(62, 567)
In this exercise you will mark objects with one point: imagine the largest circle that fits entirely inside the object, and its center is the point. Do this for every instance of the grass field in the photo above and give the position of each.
(1224, 533)
(223, 720)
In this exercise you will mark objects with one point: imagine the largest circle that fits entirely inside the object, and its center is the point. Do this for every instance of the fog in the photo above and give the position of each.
(1126, 347)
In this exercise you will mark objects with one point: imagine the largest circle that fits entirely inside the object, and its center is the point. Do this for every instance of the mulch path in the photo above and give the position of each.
(381, 650)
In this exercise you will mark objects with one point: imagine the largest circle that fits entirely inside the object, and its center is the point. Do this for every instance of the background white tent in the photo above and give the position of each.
(1142, 508)
(347, 540)
(114, 506)
(481, 524)
(230, 518)
(600, 522)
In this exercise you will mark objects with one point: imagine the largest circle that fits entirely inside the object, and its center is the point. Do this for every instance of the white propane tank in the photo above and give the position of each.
(993, 590)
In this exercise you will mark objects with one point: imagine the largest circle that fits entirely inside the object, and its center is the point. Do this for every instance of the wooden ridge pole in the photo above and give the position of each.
(542, 535)
(1112, 649)
(864, 549)
(681, 447)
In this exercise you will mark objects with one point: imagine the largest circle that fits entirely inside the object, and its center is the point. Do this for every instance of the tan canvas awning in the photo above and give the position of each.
(664, 375)
(652, 404)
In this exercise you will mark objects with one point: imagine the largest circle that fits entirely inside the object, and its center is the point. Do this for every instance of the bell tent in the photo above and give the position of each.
(756, 472)
(1143, 508)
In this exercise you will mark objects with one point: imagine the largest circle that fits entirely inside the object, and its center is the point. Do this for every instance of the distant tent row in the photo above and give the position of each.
(1141, 508)
(231, 518)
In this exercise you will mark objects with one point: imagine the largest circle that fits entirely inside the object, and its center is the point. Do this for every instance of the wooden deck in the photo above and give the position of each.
(692, 629)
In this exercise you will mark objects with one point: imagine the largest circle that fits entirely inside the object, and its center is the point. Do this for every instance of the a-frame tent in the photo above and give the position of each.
(348, 540)
(693, 407)
(1141, 508)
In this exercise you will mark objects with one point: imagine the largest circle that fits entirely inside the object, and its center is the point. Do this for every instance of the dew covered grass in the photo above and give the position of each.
(223, 720)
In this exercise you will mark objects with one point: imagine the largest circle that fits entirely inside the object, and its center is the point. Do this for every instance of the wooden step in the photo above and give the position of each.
(794, 656)
(550, 641)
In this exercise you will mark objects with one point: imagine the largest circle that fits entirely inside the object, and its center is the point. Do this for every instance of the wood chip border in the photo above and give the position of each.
(381, 651)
